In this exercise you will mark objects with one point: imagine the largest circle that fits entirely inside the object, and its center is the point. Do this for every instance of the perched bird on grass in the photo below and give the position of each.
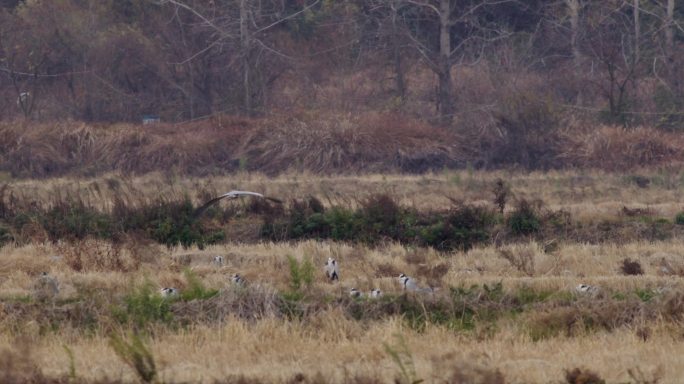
(232, 195)
(355, 293)
(410, 285)
(167, 292)
(375, 293)
(407, 283)
(586, 288)
(238, 280)
(46, 286)
(218, 260)
(332, 269)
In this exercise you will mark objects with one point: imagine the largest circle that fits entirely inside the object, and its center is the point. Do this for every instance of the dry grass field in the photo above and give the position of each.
(505, 310)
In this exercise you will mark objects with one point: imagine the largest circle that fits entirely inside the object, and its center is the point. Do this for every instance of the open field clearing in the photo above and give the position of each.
(503, 304)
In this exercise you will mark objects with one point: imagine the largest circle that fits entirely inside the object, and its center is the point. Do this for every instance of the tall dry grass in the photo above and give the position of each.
(320, 142)
(501, 310)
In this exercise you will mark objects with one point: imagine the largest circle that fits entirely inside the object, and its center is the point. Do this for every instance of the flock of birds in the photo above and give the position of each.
(48, 285)
(332, 273)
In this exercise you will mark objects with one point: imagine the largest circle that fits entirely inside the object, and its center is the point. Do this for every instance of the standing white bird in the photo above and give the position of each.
(218, 260)
(410, 285)
(407, 283)
(332, 269)
(46, 286)
(355, 293)
(233, 195)
(168, 292)
(375, 293)
(238, 280)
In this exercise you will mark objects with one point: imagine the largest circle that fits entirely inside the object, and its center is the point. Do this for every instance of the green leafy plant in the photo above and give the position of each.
(136, 355)
(195, 290)
(143, 306)
(525, 219)
(300, 273)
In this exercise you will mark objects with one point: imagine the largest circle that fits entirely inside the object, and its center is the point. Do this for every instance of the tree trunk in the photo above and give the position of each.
(400, 81)
(573, 9)
(245, 45)
(669, 44)
(445, 105)
(637, 31)
(669, 30)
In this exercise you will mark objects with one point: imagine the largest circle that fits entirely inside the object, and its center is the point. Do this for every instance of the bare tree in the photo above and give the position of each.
(459, 29)
(242, 26)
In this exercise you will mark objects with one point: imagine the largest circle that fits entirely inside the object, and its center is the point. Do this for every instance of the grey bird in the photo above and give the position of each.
(233, 195)
(332, 269)
(46, 286)
(238, 280)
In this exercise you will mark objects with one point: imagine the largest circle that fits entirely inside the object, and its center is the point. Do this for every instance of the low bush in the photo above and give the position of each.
(72, 219)
(525, 220)
(195, 290)
(462, 228)
(679, 218)
(144, 306)
(631, 267)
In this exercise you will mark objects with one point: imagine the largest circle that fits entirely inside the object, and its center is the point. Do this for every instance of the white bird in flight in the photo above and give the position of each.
(332, 269)
(233, 195)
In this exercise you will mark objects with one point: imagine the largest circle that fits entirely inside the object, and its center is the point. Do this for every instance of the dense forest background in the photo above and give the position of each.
(415, 84)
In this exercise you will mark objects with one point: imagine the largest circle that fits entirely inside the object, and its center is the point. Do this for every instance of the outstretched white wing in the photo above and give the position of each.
(232, 195)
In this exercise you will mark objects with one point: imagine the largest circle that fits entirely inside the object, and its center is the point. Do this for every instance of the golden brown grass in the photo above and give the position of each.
(273, 349)
(582, 193)
(328, 341)
(276, 351)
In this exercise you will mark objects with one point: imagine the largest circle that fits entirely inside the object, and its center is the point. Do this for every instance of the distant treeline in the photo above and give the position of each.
(459, 63)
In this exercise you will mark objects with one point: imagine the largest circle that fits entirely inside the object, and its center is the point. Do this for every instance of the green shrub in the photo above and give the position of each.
(461, 229)
(343, 224)
(172, 223)
(679, 219)
(144, 305)
(195, 290)
(72, 219)
(300, 273)
(525, 219)
(381, 217)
